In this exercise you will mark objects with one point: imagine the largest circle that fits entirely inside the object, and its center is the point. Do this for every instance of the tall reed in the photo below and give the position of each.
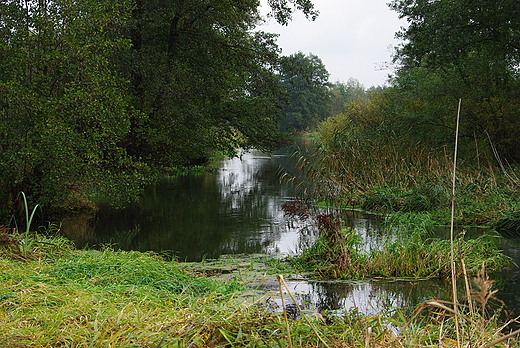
(352, 165)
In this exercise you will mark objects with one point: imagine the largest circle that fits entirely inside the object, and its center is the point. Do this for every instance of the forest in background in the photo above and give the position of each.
(98, 97)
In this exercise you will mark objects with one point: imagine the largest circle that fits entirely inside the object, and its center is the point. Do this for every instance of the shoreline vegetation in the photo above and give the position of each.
(100, 97)
(55, 295)
(52, 294)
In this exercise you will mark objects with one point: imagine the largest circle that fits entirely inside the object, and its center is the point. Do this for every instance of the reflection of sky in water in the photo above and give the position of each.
(249, 183)
(251, 180)
(367, 297)
(239, 210)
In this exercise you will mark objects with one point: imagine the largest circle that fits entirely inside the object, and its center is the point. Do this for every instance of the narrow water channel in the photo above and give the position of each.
(238, 210)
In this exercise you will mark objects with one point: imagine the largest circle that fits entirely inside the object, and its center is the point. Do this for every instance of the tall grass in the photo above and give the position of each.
(414, 256)
(379, 171)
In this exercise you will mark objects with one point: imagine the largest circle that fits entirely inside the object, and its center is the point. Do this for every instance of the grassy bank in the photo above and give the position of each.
(56, 296)
(374, 167)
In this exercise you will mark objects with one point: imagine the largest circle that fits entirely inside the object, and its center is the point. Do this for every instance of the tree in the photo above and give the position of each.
(202, 79)
(282, 10)
(98, 96)
(342, 94)
(305, 79)
(63, 110)
(447, 32)
(464, 49)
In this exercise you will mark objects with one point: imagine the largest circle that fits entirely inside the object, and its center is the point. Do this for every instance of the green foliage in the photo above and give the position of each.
(461, 49)
(202, 79)
(63, 109)
(342, 94)
(384, 157)
(282, 11)
(411, 255)
(97, 96)
(305, 79)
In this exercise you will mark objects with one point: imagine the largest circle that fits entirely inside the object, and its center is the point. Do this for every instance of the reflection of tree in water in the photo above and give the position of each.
(368, 297)
(237, 210)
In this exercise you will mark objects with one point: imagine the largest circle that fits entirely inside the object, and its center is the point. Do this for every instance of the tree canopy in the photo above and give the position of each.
(98, 96)
(462, 49)
(306, 80)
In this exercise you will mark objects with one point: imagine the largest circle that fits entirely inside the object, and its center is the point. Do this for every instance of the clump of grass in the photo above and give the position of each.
(434, 322)
(100, 299)
(411, 254)
(32, 245)
(429, 258)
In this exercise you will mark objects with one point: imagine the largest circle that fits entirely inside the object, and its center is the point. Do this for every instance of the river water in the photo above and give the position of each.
(238, 209)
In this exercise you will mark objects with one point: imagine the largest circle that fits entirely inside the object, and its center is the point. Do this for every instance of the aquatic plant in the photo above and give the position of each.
(413, 253)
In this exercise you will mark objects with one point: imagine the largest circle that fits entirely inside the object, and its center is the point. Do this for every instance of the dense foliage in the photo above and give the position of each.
(391, 149)
(64, 110)
(461, 49)
(306, 80)
(97, 96)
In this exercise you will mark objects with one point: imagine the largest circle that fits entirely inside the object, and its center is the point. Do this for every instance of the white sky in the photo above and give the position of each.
(353, 38)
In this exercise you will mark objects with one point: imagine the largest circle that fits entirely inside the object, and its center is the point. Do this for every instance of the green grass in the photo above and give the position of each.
(411, 251)
(64, 297)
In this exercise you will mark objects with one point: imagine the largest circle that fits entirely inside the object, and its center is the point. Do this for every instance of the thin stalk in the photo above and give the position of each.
(468, 289)
(280, 281)
(452, 237)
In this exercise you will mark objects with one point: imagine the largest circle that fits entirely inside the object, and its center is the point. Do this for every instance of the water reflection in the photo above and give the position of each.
(368, 297)
(236, 210)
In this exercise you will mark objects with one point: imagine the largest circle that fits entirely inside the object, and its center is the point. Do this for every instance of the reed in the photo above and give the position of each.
(379, 171)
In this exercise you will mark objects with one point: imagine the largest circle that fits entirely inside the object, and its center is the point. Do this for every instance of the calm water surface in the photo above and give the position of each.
(236, 210)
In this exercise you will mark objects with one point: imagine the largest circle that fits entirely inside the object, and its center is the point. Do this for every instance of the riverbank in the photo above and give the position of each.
(56, 295)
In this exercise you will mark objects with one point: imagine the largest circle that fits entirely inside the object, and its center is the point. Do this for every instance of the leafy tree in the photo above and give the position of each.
(342, 94)
(305, 79)
(447, 32)
(282, 10)
(63, 111)
(98, 96)
(202, 79)
(463, 49)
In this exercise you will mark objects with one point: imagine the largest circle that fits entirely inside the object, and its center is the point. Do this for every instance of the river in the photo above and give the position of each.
(238, 209)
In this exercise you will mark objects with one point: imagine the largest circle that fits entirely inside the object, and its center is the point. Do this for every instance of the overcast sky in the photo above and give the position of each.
(353, 38)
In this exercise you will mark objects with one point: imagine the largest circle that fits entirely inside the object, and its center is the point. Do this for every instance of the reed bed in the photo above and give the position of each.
(411, 255)
(379, 171)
